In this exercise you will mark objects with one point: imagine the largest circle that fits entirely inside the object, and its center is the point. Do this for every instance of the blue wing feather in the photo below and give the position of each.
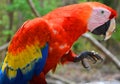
(41, 63)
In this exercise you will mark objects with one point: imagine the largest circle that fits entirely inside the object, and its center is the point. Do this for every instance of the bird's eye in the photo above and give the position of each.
(102, 12)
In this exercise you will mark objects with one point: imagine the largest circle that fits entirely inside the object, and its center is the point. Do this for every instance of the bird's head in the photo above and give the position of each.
(102, 20)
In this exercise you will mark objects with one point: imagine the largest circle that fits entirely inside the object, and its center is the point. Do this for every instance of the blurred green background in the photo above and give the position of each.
(14, 12)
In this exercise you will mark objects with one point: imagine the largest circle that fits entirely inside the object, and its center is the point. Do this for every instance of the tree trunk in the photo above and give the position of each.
(10, 15)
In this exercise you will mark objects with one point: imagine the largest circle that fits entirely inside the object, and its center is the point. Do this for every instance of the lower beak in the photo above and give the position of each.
(110, 29)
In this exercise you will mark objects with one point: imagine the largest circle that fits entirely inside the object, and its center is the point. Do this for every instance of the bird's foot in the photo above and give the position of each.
(93, 56)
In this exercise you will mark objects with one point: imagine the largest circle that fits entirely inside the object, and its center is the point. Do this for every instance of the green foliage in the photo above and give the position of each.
(4, 20)
(22, 11)
(82, 44)
(46, 6)
(82, 1)
(22, 7)
(116, 34)
(7, 32)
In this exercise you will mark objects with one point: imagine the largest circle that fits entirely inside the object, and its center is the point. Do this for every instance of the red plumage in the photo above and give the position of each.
(66, 25)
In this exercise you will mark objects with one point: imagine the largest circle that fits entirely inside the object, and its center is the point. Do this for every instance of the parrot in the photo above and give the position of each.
(42, 43)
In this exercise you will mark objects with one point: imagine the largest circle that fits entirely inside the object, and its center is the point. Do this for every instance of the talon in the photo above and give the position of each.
(92, 59)
(86, 64)
(99, 58)
(96, 55)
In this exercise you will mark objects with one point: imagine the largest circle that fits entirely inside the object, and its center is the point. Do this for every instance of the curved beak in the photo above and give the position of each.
(106, 29)
(110, 29)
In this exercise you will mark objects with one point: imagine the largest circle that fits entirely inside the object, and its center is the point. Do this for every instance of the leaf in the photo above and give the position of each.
(7, 32)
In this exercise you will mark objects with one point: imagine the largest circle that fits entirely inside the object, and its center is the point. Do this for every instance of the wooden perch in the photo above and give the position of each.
(113, 58)
(33, 8)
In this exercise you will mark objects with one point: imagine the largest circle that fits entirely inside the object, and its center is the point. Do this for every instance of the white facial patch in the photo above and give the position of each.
(98, 17)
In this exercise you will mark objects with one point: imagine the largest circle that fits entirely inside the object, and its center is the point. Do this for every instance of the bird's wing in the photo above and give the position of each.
(27, 53)
(22, 67)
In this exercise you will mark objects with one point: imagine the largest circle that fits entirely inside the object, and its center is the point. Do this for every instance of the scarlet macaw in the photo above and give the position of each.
(40, 44)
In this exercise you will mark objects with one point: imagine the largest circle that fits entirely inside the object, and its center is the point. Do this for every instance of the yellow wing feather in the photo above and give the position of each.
(21, 60)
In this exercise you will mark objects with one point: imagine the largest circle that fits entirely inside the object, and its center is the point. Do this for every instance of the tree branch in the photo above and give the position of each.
(3, 47)
(33, 8)
(11, 16)
(112, 57)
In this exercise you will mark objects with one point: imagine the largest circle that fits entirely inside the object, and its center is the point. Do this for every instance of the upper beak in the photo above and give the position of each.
(110, 29)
